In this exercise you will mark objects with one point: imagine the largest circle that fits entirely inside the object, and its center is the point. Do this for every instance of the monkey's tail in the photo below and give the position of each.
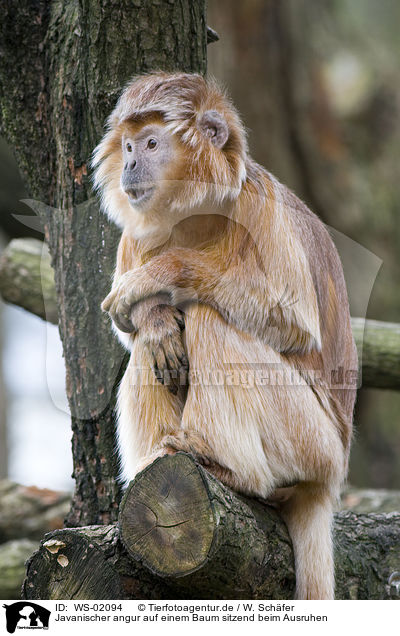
(308, 515)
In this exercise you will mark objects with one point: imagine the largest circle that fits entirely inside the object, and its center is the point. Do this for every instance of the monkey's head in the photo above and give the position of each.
(175, 147)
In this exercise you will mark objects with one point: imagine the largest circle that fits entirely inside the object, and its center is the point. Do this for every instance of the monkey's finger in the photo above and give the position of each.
(184, 362)
(158, 375)
(159, 360)
(178, 362)
(172, 388)
(107, 302)
(172, 382)
(180, 319)
(173, 351)
(170, 366)
(121, 312)
(122, 321)
(163, 375)
(163, 368)
(157, 372)
(178, 366)
(168, 363)
(179, 354)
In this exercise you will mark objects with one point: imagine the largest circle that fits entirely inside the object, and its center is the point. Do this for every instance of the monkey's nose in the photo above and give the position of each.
(132, 165)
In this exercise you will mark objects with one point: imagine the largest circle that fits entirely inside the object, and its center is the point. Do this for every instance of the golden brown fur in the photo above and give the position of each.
(262, 291)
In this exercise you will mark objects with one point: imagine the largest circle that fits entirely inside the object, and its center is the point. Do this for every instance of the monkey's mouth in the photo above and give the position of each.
(139, 195)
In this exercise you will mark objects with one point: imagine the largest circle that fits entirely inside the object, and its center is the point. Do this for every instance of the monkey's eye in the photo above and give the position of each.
(152, 143)
(129, 147)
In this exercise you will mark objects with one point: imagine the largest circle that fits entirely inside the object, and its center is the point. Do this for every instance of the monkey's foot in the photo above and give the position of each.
(151, 458)
(161, 335)
(170, 362)
(189, 442)
(193, 443)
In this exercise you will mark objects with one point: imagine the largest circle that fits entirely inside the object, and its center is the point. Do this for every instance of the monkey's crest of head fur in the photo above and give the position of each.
(207, 173)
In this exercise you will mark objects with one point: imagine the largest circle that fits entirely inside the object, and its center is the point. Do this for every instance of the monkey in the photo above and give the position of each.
(223, 273)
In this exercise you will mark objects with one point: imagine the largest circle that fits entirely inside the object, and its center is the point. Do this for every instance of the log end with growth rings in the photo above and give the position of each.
(166, 517)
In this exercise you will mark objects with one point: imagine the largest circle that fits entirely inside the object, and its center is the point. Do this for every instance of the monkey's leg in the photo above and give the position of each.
(147, 412)
(220, 420)
(308, 515)
(274, 432)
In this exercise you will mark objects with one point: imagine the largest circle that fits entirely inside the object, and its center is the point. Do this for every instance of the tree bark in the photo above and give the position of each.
(216, 544)
(76, 57)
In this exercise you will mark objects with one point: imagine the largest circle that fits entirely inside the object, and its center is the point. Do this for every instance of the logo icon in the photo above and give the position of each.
(26, 615)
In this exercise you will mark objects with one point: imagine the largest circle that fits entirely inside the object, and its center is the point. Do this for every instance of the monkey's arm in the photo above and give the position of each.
(248, 300)
(154, 323)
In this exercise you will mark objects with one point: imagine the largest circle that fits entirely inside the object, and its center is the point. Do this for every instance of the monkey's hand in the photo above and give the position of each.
(160, 329)
(157, 278)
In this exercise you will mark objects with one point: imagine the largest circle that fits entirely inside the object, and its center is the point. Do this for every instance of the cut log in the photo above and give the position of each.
(176, 518)
(30, 512)
(182, 534)
(87, 563)
(166, 521)
(75, 568)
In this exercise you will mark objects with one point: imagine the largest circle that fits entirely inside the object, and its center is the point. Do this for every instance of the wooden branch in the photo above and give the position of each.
(87, 563)
(370, 499)
(176, 518)
(380, 342)
(27, 278)
(27, 512)
(186, 535)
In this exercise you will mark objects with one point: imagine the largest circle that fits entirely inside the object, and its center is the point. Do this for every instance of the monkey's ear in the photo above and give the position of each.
(213, 125)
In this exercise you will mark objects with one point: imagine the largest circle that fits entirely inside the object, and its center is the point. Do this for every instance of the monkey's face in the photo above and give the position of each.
(146, 153)
(174, 148)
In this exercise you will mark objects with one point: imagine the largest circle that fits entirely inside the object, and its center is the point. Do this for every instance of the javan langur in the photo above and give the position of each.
(224, 272)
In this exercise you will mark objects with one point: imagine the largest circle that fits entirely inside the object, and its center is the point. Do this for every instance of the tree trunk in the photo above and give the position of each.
(185, 535)
(77, 55)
